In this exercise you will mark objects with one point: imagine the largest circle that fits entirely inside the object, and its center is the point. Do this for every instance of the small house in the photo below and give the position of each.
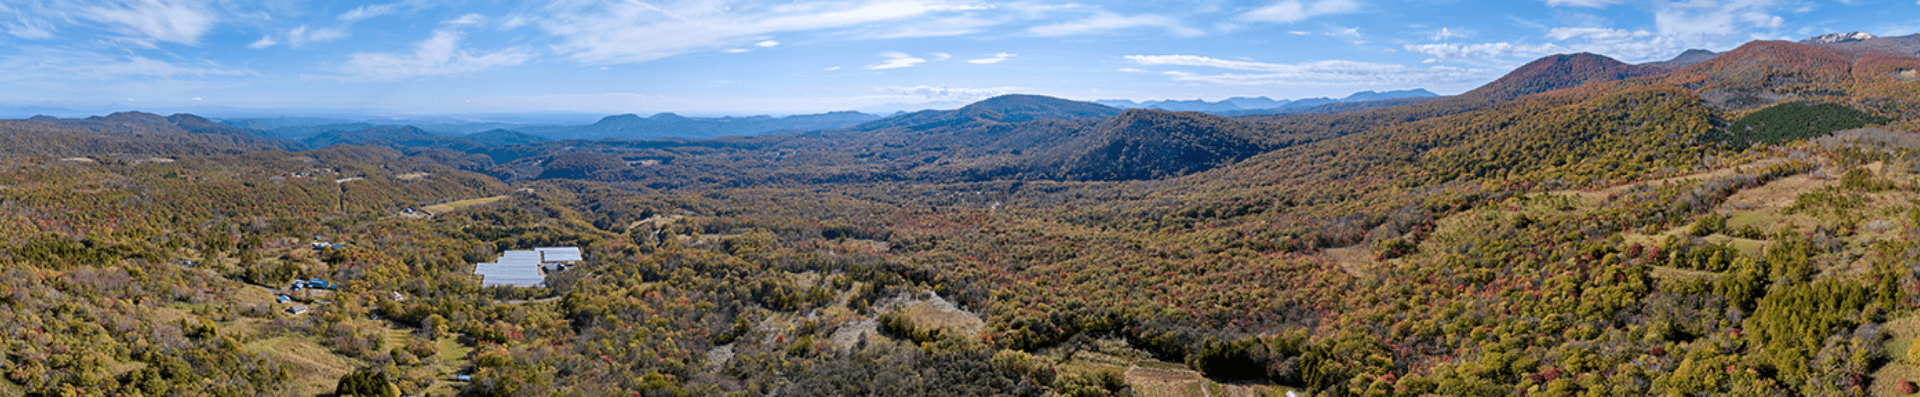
(297, 309)
(397, 296)
(319, 284)
(284, 299)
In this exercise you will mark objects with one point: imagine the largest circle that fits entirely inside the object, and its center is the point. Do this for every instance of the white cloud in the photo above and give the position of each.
(941, 56)
(147, 21)
(469, 19)
(832, 68)
(301, 36)
(1625, 45)
(895, 60)
(1351, 35)
(767, 43)
(43, 64)
(1320, 73)
(610, 31)
(734, 50)
(1452, 52)
(1107, 22)
(996, 58)
(1715, 18)
(1299, 33)
(438, 55)
(1447, 33)
(944, 93)
(1290, 11)
(367, 11)
(26, 23)
(1582, 3)
(263, 42)
(1130, 70)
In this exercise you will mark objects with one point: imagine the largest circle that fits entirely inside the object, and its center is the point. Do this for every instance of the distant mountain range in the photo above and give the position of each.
(669, 125)
(1254, 105)
(1010, 136)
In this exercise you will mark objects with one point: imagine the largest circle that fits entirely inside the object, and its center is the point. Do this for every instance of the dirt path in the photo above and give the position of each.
(520, 301)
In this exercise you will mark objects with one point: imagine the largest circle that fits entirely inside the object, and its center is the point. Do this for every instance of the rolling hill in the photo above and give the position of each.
(1741, 223)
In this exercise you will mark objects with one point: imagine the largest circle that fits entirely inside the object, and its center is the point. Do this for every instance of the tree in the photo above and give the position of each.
(366, 382)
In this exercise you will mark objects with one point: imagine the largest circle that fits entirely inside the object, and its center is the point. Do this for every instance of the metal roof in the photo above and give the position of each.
(516, 268)
(559, 254)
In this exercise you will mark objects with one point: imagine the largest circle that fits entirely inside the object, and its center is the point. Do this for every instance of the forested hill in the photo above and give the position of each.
(1744, 225)
(392, 136)
(132, 133)
(1000, 109)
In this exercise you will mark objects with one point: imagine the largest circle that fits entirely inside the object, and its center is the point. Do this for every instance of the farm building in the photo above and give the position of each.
(524, 268)
(297, 309)
(515, 268)
(559, 254)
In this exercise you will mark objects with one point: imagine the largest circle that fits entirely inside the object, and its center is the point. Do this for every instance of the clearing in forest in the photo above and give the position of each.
(1174, 380)
(1902, 332)
(456, 205)
(1355, 259)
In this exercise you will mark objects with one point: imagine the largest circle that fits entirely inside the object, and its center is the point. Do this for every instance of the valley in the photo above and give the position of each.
(1736, 223)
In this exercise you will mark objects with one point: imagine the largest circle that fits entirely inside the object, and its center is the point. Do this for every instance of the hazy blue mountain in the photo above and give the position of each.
(669, 125)
(1261, 105)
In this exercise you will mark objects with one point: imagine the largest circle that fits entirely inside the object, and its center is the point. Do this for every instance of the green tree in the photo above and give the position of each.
(366, 382)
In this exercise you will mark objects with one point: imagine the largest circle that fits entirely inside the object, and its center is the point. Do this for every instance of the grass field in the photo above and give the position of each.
(315, 368)
(457, 205)
(1904, 332)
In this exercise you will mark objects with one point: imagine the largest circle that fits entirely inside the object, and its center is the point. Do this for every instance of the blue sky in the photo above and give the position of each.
(425, 57)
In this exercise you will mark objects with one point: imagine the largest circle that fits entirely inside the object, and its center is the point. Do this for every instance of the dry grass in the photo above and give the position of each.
(1356, 260)
(1670, 273)
(1904, 332)
(315, 369)
(930, 313)
(1159, 381)
(457, 205)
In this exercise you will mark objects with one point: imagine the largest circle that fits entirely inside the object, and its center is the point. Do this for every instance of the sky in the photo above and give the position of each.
(708, 57)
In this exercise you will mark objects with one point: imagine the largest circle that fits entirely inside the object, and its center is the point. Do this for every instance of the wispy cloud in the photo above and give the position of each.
(367, 11)
(1320, 73)
(301, 36)
(1290, 11)
(263, 42)
(1627, 45)
(996, 58)
(766, 43)
(1582, 3)
(896, 60)
(609, 31)
(941, 56)
(1350, 34)
(944, 93)
(1106, 22)
(1451, 52)
(149, 21)
(1715, 18)
(26, 21)
(438, 55)
(1447, 33)
(41, 63)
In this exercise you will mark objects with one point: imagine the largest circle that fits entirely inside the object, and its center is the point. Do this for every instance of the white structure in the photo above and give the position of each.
(559, 254)
(523, 268)
(516, 268)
